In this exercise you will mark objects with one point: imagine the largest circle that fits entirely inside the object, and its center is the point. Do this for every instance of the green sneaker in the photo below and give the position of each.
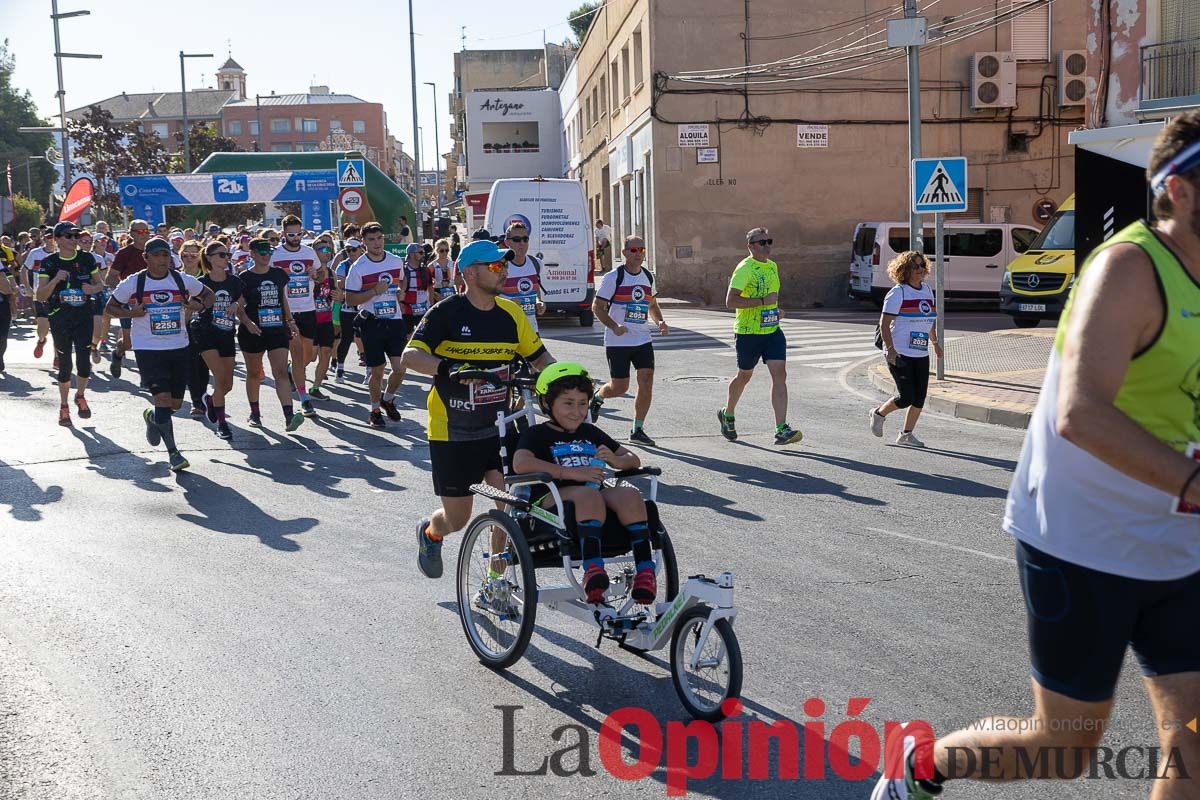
(297, 419)
(785, 435)
(727, 426)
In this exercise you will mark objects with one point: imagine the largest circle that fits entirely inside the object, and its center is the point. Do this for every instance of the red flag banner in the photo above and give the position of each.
(78, 198)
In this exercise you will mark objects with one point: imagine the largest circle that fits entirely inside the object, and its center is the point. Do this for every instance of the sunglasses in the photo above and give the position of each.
(636, 249)
(763, 241)
(520, 239)
(293, 235)
(68, 236)
(219, 254)
(261, 251)
(496, 266)
(141, 232)
(443, 252)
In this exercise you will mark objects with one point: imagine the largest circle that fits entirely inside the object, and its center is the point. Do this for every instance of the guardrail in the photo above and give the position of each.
(1170, 75)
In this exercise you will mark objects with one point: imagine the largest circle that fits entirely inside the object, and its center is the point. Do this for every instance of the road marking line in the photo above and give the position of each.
(946, 545)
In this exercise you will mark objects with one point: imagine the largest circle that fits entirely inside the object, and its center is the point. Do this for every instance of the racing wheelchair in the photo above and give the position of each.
(502, 552)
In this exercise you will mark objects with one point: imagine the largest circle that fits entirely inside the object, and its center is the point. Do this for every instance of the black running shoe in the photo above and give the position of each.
(389, 406)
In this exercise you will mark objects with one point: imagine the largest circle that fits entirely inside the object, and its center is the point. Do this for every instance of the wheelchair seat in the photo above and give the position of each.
(548, 544)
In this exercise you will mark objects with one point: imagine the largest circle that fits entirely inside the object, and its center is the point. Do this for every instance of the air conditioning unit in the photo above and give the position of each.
(1072, 77)
(993, 80)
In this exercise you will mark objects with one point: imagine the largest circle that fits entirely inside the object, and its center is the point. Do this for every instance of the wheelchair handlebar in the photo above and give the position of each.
(633, 473)
(489, 375)
(522, 478)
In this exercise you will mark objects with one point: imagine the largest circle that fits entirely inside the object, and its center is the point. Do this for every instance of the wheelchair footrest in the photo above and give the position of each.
(492, 493)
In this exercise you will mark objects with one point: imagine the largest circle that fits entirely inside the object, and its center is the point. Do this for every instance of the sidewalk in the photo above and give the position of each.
(990, 377)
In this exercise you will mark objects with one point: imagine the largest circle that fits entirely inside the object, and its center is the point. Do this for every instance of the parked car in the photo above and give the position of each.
(1036, 285)
(976, 255)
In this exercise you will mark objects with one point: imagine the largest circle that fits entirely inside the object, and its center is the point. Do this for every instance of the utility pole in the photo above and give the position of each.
(915, 240)
(412, 54)
(59, 55)
(187, 139)
(437, 148)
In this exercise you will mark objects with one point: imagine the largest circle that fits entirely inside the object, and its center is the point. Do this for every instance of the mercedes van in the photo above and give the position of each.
(560, 237)
(1036, 285)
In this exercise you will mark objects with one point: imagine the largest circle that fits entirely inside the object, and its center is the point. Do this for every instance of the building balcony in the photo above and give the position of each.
(1170, 76)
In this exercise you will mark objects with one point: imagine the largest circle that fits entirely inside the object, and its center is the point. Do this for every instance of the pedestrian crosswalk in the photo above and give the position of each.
(810, 343)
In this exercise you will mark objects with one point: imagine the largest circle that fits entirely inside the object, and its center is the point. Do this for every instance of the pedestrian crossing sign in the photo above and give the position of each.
(350, 172)
(939, 185)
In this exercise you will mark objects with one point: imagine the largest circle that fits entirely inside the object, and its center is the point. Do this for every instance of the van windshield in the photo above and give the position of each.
(864, 241)
(1059, 233)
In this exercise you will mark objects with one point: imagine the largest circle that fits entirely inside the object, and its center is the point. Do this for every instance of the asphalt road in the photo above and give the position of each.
(257, 627)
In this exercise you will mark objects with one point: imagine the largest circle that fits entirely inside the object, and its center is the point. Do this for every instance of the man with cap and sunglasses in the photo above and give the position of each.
(304, 270)
(68, 280)
(1105, 510)
(346, 313)
(754, 296)
(130, 260)
(480, 329)
(154, 299)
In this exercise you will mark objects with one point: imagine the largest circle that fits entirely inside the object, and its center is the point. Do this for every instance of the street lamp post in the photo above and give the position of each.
(437, 148)
(412, 54)
(187, 139)
(59, 55)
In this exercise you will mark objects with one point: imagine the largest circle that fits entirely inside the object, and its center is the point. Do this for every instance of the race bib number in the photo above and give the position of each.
(72, 297)
(636, 313)
(769, 317)
(447, 291)
(386, 309)
(573, 454)
(221, 317)
(528, 303)
(270, 318)
(918, 340)
(419, 308)
(1178, 507)
(298, 286)
(322, 302)
(166, 323)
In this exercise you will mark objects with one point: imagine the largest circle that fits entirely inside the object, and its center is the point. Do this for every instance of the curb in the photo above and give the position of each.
(977, 412)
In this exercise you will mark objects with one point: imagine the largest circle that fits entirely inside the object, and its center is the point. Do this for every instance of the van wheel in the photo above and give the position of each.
(586, 318)
(1026, 322)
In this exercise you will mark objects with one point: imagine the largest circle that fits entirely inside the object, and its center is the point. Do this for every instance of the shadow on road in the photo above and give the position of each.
(588, 695)
(21, 494)
(790, 482)
(14, 387)
(225, 510)
(110, 460)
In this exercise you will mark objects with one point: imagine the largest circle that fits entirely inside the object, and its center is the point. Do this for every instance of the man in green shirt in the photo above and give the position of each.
(754, 297)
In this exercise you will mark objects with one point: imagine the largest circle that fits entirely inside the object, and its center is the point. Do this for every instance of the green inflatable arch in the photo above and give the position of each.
(385, 199)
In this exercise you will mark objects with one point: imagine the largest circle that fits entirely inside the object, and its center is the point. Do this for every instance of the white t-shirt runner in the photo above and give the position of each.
(162, 327)
(365, 274)
(296, 265)
(915, 315)
(522, 286)
(629, 306)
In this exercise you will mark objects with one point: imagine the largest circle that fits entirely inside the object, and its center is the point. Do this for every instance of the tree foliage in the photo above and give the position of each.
(204, 140)
(27, 212)
(107, 151)
(18, 110)
(580, 19)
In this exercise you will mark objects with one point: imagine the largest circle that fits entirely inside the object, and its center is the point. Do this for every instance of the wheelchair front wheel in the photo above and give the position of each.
(668, 576)
(718, 673)
(497, 589)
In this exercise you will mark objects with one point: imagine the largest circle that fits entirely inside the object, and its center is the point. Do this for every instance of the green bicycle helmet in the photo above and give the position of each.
(558, 370)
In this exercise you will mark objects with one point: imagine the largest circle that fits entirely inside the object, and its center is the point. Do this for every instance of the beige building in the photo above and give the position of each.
(692, 166)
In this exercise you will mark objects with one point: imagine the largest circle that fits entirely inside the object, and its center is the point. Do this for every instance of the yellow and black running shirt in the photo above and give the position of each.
(456, 330)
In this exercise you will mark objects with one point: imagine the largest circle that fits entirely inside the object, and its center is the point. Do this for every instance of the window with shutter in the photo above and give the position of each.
(1179, 19)
(1031, 31)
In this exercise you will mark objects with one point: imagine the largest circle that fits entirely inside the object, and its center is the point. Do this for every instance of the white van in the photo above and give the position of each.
(976, 255)
(560, 237)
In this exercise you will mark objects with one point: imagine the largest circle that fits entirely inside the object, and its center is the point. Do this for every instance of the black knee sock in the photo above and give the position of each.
(639, 538)
(589, 535)
(162, 420)
(287, 412)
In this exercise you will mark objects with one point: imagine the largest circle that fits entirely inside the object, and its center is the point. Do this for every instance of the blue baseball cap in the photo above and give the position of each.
(483, 253)
(413, 248)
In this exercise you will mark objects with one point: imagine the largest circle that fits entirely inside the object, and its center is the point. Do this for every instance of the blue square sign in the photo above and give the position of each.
(350, 172)
(939, 185)
(230, 188)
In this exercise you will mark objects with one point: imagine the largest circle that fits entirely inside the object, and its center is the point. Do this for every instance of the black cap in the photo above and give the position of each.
(482, 235)
(63, 228)
(157, 245)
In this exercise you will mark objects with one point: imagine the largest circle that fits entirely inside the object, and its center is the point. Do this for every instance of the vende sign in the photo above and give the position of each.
(693, 135)
(812, 136)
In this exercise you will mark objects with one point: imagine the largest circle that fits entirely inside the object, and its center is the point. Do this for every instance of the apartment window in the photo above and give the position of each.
(595, 104)
(160, 130)
(616, 85)
(308, 126)
(604, 91)
(254, 127)
(281, 147)
(625, 71)
(637, 58)
(1031, 31)
(308, 147)
(1178, 20)
(233, 127)
(334, 124)
(280, 126)
(360, 126)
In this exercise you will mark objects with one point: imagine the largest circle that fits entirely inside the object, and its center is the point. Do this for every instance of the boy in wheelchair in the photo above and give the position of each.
(574, 452)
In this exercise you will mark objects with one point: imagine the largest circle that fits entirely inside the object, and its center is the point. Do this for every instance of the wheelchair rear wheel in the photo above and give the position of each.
(668, 576)
(497, 589)
(718, 673)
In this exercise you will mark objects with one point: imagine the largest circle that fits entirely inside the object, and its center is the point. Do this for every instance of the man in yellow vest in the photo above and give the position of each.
(1105, 510)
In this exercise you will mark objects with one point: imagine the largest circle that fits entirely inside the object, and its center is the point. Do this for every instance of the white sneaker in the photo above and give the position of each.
(909, 439)
(904, 787)
(876, 423)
